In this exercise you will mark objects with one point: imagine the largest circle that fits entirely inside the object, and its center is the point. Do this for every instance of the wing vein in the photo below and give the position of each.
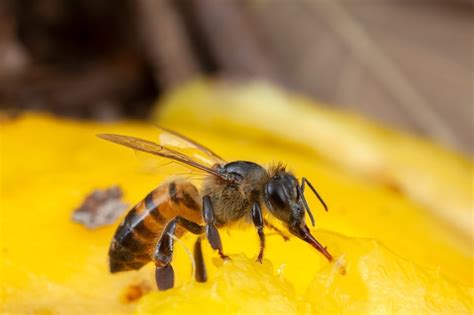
(157, 149)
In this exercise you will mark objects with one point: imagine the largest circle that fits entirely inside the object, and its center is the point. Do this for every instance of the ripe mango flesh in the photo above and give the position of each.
(399, 255)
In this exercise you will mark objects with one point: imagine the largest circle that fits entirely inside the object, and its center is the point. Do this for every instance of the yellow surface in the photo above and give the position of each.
(50, 265)
(437, 178)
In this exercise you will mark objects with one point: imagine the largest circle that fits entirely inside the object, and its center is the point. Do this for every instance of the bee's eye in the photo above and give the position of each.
(276, 194)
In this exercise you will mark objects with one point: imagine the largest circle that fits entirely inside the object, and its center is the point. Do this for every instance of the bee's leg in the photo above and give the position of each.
(201, 273)
(258, 221)
(211, 230)
(164, 251)
(274, 228)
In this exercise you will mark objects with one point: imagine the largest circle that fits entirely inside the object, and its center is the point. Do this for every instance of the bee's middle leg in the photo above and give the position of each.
(163, 253)
(211, 231)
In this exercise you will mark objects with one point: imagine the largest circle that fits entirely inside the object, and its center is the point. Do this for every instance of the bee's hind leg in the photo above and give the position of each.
(163, 253)
(201, 273)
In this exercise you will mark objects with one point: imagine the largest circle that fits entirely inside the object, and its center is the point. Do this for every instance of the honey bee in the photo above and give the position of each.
(238, 191)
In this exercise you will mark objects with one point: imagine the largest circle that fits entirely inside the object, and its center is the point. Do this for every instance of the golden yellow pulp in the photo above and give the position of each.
(402, 249)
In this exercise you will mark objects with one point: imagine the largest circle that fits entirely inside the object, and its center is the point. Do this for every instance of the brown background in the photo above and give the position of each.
(406, 63)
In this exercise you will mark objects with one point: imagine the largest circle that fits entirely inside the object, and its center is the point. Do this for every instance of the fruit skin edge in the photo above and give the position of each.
(60, 284)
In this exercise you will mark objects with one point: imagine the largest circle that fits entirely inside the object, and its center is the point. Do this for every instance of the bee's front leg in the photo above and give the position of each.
(211, 231)
(258, 221)
(164, 251)
(274, 228)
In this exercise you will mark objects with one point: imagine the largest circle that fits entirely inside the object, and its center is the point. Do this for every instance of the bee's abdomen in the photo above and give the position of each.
(135, 238)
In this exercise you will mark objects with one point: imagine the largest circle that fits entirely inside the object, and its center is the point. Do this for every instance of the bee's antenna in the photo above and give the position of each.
(314, 190)
(300, 191)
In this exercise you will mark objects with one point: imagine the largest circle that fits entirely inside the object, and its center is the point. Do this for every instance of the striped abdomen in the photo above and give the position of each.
(135, 239)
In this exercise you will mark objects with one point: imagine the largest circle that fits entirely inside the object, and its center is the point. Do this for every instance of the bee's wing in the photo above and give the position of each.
(154, 165)
(173, 140)
(157, 149)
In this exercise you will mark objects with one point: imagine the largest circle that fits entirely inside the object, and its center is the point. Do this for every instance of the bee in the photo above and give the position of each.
(238, 191)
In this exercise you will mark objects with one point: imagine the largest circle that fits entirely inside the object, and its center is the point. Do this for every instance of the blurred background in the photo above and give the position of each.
(407, 64)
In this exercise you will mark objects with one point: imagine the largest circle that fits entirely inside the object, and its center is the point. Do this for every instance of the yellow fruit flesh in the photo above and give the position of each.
(437, 178)
(50, 265)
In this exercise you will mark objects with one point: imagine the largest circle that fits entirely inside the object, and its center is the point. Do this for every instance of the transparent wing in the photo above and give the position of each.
(173, 140)
(159, 150)
(160, 166)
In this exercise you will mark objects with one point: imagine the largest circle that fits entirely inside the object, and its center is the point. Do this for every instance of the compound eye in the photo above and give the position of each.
(277, 194)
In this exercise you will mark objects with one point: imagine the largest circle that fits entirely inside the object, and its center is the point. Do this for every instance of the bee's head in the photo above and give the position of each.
(285, 199)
